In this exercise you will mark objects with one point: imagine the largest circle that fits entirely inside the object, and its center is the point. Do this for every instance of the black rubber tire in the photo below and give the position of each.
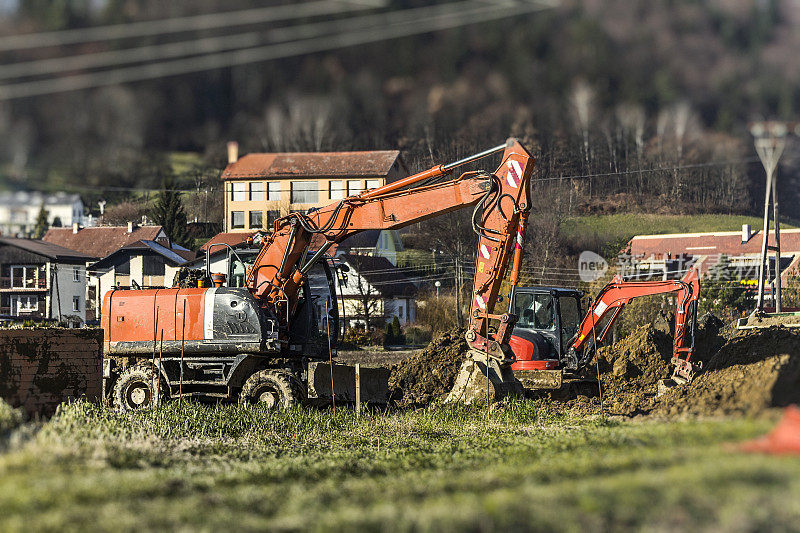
(278, 389)
(137, 388)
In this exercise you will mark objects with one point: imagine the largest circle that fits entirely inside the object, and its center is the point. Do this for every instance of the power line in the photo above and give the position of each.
(208, 21)
(202, 46)
(605, 175)
(264, 53)
(657, 169)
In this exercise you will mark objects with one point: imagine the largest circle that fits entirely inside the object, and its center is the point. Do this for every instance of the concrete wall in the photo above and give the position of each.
(40, 368)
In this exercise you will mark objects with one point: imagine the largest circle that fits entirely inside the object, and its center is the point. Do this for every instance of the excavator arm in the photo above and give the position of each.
(612, 299)
(501, 200)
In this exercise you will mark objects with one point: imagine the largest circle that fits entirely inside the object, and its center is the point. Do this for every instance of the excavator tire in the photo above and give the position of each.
(277, 389)
(138, 387)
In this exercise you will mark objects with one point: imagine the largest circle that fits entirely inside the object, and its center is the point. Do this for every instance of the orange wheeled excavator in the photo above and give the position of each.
(253, 343)
(551, 335)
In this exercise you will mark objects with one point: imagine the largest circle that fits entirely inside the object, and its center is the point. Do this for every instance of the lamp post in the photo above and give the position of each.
(770, 140)
(437, 285)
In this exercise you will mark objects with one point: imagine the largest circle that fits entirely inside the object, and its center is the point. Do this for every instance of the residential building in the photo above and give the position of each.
(374, 281)
(40, 280)
(261, 187)
(669, 255)
(19, 211)
(100, 241)
(142, 264)
(379, 243)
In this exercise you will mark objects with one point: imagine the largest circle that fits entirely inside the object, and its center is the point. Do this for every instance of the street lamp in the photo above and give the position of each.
(770, 140)
(437, 285)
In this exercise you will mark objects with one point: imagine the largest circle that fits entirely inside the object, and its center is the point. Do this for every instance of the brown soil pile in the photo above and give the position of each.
(751, 373)
(630, 370)
(430, 373)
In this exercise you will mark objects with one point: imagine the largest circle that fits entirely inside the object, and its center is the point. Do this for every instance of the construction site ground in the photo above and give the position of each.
(551, 461)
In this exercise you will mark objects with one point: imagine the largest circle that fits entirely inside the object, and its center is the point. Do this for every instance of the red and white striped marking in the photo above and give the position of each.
(485, 251)
(519, 237)
(514, 174)
(480, 301)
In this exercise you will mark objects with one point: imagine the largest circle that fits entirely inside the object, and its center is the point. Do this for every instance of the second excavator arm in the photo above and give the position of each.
(612, 298)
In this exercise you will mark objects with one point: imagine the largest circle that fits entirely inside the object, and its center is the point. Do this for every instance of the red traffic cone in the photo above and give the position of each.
(784, 439)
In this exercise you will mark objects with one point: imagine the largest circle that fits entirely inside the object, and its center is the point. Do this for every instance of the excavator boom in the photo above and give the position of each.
(501, 201)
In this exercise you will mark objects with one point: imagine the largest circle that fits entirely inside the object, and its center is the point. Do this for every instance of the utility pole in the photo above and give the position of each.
(458, 288)
(770, 140)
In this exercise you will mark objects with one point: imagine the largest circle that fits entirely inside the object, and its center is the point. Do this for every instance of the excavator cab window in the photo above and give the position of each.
(535, 311)
(570, 309)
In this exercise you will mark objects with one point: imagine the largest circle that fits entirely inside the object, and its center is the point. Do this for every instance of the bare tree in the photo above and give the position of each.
(582, 100)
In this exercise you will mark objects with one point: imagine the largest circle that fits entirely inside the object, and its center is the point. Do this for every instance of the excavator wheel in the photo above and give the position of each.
(138, 387)
(277, 389)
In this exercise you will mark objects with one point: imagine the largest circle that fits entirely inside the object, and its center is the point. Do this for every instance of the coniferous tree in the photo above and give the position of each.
(168, 213)
(41, 226)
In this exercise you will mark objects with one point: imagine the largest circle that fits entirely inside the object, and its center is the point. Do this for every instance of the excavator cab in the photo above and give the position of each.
(548, 318)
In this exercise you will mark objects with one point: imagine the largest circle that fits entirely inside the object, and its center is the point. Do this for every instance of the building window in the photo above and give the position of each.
(400, 312)
(256, 219)
(335, 190)
(304, 192)
(256, 191)
(27, 277)
(353, 187)
(76, 273)
(272, 216)
(25, 303)
(153, 265)
(76, 303)
(373, 184)
(238, 191)
(273, 191)
(237, 219)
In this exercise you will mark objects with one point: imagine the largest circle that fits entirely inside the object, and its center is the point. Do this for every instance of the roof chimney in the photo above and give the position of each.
(747, 232)
(75, 227)
(233, 152)
(130, 227)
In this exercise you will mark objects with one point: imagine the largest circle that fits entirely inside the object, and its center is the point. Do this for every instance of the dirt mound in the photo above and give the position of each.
(631, 368)
(751, 373)
(430, 373)
(708, 338)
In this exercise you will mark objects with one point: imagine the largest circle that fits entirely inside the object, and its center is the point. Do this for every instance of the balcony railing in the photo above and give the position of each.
(23, 284)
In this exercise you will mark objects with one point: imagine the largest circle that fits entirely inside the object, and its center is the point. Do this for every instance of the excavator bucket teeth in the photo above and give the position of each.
(475, 383)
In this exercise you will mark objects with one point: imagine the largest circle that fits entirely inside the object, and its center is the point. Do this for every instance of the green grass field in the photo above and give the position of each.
(196, 467)
(625, 226)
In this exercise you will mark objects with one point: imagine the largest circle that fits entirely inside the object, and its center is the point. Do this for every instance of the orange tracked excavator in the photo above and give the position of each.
(254, 343)
(551, 338)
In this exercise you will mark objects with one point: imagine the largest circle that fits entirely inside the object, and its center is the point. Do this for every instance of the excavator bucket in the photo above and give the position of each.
(478, 382)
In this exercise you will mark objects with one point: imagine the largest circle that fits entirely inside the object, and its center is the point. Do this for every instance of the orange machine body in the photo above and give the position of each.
(204, 320)
(151, 313)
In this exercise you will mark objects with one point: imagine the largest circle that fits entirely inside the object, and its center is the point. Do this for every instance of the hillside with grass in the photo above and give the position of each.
(624, 226)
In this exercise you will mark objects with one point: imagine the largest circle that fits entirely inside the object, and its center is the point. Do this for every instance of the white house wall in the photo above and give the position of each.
(64, 287)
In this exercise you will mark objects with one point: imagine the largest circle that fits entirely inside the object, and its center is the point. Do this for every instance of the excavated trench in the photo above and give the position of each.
(752, 372)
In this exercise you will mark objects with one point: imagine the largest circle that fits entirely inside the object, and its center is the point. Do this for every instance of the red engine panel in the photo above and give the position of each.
(523, 349)
(527, 358)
